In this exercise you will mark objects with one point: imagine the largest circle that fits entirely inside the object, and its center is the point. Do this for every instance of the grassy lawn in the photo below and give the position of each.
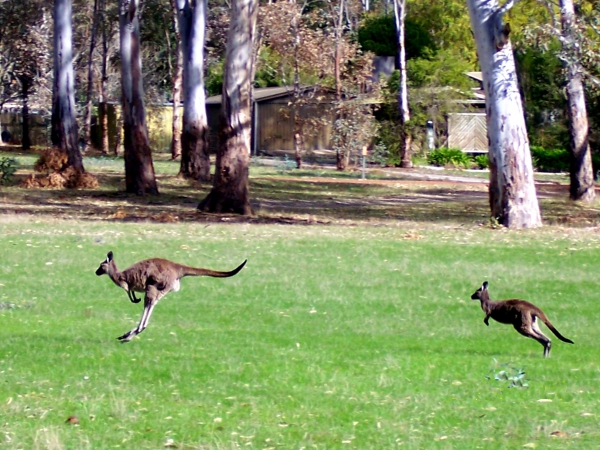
(350, 327)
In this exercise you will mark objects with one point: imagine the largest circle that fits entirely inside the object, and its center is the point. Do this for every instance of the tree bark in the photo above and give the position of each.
(582, 173)
(195, 158)
(230, 185)
(25, 136)
(177, 84)
(139, 169)
(102, 105)
(87, 124)
(64, 126)
(403, 109)
(340, 154)
(513, 200)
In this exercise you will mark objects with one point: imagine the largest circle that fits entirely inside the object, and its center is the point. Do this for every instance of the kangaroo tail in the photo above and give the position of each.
(555, 331)
(194, 271)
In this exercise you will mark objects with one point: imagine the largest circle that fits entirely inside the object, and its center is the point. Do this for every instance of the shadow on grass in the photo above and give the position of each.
(281, 198)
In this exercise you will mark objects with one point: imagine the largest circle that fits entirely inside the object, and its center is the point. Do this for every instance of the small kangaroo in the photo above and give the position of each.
(154, 277)
(518, 313)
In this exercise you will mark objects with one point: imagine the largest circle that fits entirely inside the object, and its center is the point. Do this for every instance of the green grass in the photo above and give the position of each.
(331, 337)
(354, 332)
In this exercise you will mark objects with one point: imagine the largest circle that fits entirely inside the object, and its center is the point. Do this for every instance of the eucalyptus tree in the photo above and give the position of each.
(64, 132)
(230, 185)
(195, 158)
(403, 109)
(25, 61)
(139, 168)
(177, 77)
(582, 173)
(513, 200)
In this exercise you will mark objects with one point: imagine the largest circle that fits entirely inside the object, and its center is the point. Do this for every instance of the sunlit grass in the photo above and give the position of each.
(331, 337)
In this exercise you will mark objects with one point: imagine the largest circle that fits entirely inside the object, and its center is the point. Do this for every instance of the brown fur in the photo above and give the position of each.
(155, 278)
(518, 313)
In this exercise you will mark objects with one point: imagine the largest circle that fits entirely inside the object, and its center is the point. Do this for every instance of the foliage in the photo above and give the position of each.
(482, 161)
(377, 34)
(550, 160)
(8, 167)
(25, 50)
(448, 24)
(449, 157)
(213, 82)
(541, 79)
(506, 373)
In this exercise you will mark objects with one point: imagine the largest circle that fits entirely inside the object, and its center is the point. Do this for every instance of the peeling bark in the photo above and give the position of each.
(64, 134)
(513, 200)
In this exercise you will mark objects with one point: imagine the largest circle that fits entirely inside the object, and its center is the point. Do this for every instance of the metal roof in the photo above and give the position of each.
(262, 94)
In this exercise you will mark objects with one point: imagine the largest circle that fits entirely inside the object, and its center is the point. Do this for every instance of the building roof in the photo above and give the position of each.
(263, 94)
(477, 76)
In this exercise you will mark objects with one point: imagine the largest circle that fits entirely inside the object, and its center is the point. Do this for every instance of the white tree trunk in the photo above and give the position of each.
(513, 200)
(64, 123)
(582, 173)
(195, 162)
(403, 109)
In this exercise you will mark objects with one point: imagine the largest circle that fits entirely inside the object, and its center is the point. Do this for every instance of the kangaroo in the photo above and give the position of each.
(154, 277)
(521, 314)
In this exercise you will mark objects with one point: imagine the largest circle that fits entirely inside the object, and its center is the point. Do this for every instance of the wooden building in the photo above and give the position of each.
(272, 122)
(468, 130)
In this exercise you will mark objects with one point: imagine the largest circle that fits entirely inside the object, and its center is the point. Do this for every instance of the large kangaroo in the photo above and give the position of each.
(518, 313)
(155, 278)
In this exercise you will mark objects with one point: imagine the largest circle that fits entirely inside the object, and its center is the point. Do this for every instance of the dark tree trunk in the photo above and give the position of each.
(230, 185)
(195, 158)
(139, 169)
(64, 126)
(25, 139)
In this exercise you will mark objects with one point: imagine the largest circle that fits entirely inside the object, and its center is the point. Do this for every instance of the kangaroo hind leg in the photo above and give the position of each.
(153, 295)
(530, 328)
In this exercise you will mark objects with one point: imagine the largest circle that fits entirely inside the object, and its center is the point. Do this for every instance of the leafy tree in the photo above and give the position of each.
(377, 34)
(25, 51)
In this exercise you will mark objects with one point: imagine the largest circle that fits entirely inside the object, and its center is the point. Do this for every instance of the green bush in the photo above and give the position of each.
(482, 161)
(550, 160)
(449, 157)
(8, 167)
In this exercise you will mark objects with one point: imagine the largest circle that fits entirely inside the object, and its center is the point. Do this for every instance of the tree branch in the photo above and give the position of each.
(506, 7)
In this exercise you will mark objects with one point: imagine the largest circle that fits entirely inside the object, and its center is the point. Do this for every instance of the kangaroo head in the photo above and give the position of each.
(107, 266)
(481, 293)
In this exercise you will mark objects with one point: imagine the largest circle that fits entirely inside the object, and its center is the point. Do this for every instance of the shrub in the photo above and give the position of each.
(8, 167)
(550, 160)
(482, 161)
(449, 157)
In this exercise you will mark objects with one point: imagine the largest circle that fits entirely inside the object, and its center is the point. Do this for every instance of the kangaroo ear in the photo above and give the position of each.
(109, 256)
(484, 285)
